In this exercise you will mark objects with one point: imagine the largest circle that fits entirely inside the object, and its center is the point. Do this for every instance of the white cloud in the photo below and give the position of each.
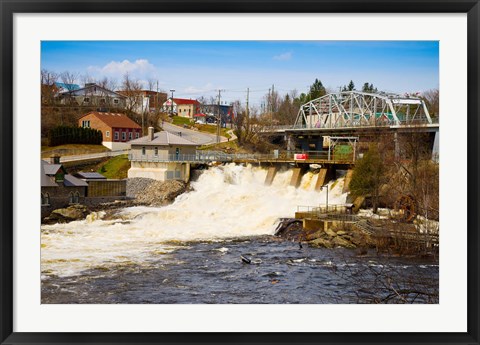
(201, 89)
(283, 57)
(140, 69)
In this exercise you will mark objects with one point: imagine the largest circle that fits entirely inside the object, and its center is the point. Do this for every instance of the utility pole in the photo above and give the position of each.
(171, 102)
(273, 95)
(247, 112)
(219, 119)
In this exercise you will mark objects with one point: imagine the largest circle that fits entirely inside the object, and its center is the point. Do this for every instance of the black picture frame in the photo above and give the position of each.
(7, 175)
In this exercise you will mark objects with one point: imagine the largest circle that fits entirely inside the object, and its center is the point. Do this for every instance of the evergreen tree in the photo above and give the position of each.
(316, 90)
(351, 86)
(369, 175)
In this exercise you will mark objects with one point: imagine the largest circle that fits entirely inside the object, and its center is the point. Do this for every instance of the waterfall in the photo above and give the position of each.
(226, 202)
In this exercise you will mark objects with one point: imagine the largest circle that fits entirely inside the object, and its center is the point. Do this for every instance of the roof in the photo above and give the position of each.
(185, 101)
(116, 120)
(50, 169)
(91, 86)
(72, 181)
(69, 87)
(163, 139)
(90, 175)
(46, 181)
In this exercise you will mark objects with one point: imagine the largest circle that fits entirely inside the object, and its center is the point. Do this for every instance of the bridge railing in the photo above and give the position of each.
(420, 122)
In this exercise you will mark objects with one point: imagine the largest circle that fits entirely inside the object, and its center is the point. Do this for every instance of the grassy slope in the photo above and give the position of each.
(116, 167)
(213, 130)
(180, 121)
(72, 149)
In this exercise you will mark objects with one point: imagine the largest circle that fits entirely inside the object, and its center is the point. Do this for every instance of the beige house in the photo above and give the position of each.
(182, 107)
(161, 156)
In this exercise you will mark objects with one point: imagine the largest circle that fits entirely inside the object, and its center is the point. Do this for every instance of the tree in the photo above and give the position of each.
(351, 86)
(432, 99)
(369, 88)
(69, 79)
(48, 88)
(369, 175)
(316, 90)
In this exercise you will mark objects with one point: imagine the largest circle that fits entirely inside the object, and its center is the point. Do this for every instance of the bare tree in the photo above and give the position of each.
(131, 89)
(48, 88)
(69, 79)
(432, 98)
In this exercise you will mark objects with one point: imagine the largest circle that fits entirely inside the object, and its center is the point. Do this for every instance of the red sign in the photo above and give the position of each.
(300, 156)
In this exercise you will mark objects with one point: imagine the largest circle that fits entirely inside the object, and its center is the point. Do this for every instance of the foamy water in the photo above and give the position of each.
(226, 202)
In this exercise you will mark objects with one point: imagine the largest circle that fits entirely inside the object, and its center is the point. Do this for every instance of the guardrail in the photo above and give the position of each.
(217, 156)
(89, 156)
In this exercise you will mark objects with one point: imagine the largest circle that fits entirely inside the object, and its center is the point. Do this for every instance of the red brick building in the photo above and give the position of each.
(117, 129)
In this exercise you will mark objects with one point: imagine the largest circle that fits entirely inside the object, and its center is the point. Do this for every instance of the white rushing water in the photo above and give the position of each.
(227, 201)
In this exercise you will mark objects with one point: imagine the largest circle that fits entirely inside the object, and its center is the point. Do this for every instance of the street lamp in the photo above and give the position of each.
(326, 187)
(171, 101)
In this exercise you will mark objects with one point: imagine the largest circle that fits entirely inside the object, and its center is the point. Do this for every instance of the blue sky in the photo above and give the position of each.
(198, 68)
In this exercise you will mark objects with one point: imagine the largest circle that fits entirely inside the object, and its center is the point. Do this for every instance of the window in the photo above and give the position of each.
(143, 150)
(45, 199)
(76, 197)
(70, 198)
(116, 135)
(107, 134)
(124, 135)
(156, 151)
(86, 100)
(115, 101)
(129, 135)
(102, 101)
(137, 135)
(86, 123)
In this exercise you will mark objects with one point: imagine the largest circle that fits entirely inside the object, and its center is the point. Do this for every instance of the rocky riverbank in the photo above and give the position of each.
(140, 191)
(328, 237)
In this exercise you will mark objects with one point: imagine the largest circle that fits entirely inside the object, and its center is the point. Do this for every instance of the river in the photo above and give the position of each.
(190, 252)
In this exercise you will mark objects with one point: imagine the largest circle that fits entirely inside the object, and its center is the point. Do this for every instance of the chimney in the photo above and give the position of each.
(54, 159)
(150, 133)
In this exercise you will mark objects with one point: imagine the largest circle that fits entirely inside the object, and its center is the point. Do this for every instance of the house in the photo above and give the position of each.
(144, 101)
(92, 95)
(64, 87)
(117, 129)
(213, 110)
(58, 188)
(161, 156)
(182, 107)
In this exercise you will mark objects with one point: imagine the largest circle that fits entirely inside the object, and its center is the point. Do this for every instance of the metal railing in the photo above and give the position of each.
(92, 156)
(217, 156)
(421, 122)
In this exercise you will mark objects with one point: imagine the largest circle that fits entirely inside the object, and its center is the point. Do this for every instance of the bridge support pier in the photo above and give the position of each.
(272, 171)
(323, 177)
(297, 177)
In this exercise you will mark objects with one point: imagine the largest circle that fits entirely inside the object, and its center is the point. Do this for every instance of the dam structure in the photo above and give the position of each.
(330, 133)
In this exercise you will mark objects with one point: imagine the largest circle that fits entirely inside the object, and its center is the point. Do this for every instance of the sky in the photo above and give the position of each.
(201, 68)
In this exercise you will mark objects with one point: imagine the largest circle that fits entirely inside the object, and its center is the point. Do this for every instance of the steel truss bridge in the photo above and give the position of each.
(354, 109)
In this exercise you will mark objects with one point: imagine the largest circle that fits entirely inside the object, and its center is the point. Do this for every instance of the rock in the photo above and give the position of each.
(71, 213)
(330, 233)
(340, 242)
(159, 193)
(314, 235)
(320, 243)
(136, 186)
